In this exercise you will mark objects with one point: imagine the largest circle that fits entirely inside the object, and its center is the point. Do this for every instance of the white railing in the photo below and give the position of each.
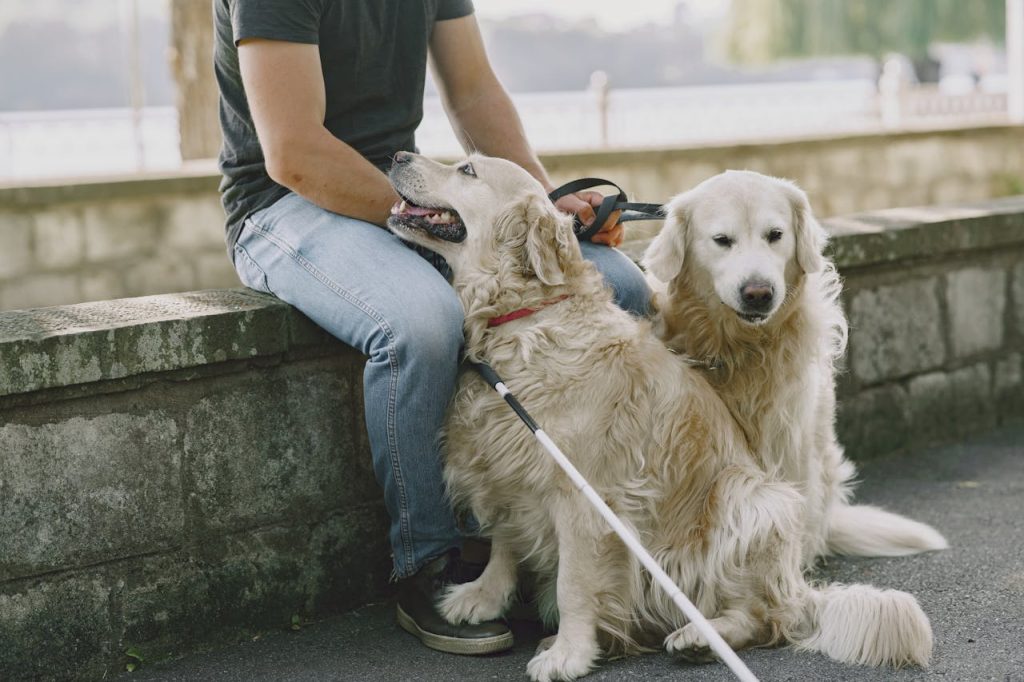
(63, 143)
(929, 103)
(87, 142)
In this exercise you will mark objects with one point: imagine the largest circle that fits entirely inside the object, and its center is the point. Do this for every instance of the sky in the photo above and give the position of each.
(88, 14)
(611, 15)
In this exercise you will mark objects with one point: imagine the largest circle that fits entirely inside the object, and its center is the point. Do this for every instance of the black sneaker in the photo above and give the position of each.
(418, 615)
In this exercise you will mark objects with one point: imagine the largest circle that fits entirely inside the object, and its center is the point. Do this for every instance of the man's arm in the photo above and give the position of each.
(285, 88)
(484, 117)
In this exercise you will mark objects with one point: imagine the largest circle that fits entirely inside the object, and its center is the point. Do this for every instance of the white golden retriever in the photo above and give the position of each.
(742, 288)
(647, 431)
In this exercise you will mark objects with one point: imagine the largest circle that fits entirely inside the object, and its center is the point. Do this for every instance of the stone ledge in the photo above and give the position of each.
(879, 237)
(201, 177)
(67, 345)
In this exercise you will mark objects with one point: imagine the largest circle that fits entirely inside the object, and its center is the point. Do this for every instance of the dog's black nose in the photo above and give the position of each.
(402, 157)
(757, 295)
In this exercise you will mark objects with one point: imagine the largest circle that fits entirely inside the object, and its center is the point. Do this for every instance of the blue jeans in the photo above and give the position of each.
(392, 303)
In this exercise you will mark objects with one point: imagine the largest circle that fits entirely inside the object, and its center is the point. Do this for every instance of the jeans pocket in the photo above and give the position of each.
(249, 272)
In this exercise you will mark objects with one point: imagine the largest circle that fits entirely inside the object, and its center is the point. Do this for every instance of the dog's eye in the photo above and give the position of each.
(774, 235)
(467, 169)
(722, 240)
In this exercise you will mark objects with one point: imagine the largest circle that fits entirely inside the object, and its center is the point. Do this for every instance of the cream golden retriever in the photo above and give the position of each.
(742, 288)
(648, 432)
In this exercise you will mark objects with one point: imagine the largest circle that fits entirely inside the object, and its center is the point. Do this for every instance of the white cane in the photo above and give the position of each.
(728, 656)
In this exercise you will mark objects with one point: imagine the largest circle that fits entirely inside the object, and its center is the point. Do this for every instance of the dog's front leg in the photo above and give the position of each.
(487, 597)
(575, 648)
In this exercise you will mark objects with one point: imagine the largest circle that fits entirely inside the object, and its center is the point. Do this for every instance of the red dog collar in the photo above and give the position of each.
(523, 312)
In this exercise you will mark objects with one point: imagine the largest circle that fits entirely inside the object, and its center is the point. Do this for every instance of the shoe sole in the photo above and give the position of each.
(455, 645)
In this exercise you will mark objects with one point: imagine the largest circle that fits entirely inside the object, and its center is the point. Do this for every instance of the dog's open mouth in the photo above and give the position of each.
(753, 318)
(438, 221)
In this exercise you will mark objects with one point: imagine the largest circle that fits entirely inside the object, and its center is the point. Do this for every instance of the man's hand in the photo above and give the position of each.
(582, 205)
(485, 120)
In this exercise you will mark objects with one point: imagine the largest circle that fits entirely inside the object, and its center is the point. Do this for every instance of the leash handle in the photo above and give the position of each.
(631, 210)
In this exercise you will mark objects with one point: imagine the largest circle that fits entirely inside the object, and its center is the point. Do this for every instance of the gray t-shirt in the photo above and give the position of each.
(373, 55)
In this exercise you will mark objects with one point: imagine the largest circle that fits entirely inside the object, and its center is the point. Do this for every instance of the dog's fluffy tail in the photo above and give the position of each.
(864, 625)
(863, 530)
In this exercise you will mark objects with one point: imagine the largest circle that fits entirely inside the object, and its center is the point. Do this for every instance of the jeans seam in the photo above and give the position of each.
(244, 253)
(395, 456)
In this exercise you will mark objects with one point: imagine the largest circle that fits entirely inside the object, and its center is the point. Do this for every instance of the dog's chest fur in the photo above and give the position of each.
(757, 371)
(776, 380)
(603, 387)
(553, 363)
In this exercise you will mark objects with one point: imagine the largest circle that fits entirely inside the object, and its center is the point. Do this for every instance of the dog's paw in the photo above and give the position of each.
(472, 603)
(562, 661)
(545, 644)
(690, 645)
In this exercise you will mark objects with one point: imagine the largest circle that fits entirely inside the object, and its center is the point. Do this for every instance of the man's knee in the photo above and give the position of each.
(624, 277)
(632, 294)
(432, 329)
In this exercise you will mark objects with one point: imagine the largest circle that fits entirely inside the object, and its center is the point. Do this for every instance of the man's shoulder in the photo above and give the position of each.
(291, 20)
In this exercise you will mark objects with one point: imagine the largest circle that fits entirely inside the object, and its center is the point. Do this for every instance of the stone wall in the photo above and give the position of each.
(132, 237)
(111, 239)
(176, 471)
(935, 300)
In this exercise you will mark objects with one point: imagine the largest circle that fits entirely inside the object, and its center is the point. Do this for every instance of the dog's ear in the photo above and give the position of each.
(664, 257)
(548, 244)
(810, 236)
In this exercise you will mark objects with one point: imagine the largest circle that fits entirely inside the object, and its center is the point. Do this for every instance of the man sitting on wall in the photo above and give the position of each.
(316, 98)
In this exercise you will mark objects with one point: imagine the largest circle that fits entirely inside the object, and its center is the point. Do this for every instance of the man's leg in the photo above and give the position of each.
(624, 277)
(364, 286)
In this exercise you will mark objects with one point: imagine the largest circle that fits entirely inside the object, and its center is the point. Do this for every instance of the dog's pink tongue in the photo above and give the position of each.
(419, 210)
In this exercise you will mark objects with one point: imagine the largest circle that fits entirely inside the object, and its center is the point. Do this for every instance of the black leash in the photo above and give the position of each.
(631, 210)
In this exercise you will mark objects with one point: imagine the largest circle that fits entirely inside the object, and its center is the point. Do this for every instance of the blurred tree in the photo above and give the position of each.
(192, 63)
(759, 31)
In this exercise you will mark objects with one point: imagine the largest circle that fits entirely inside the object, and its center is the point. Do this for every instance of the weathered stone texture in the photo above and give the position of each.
(56, 630)
(194, 223)
(261, 450)
(874, 422)
(1018, 299)
(16, 240)
(972, 390)
(79, 626)
(190, 509)
(920, 232)
(253, 582)
(120, 229)
(1009, 387)
(976, 299)
(896, 330)
(111, 340)
(932, 408)
(36, 290)
(214, 271)
(160, 275)
(87, 489)
(102, 284)
(945, 405)
(59, 239)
